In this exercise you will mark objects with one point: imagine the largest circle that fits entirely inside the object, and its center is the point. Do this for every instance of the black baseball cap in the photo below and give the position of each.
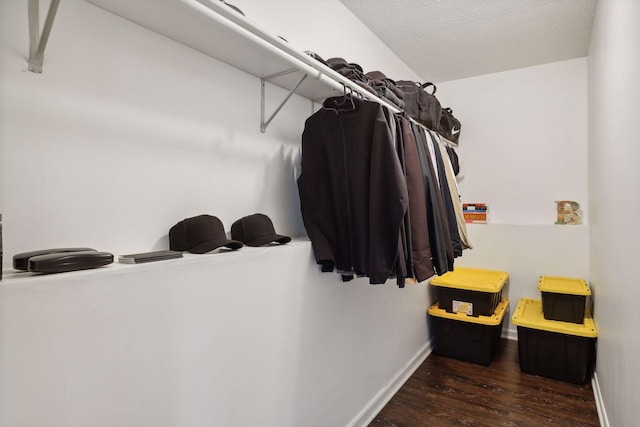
(200, 234)
(256, 230)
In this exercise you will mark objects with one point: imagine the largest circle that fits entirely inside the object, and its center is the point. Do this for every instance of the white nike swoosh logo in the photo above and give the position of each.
(454, 131)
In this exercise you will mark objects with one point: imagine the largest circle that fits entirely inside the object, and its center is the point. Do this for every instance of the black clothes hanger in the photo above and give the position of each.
(341, 103)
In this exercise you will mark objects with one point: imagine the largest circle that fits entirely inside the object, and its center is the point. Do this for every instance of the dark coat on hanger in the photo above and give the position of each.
(353, 195)
(404, 239)
(441, 248)
(450, 213)
(420, 244)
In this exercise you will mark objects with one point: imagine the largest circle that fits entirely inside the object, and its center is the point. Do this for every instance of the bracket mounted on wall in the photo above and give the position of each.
(37, 41)
(263, 80)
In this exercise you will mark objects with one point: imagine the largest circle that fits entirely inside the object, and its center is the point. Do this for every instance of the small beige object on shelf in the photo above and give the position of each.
(568, 212)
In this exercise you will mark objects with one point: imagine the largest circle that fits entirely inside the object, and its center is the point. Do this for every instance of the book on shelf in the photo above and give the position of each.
(475, 213)
(149, 257)
(475, 221)
(474, 207)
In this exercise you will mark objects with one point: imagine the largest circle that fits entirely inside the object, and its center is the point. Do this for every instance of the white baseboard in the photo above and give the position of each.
(510, 334)
(369, 412)
(602, 413)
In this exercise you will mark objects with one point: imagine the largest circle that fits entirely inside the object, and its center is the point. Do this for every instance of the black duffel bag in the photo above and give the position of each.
(449, 125)
(421, 105)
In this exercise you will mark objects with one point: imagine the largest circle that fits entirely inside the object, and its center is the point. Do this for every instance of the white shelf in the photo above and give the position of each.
(529, 225)
(217, 30)
(23, 281)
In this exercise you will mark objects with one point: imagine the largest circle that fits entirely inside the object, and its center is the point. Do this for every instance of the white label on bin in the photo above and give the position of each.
(462, 307)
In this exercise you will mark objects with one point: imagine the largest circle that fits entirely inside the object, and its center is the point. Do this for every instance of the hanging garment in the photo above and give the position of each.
(432, 155)
(353, 195)
(404, 239)
(420, 241)
(440, 241)
(455, 195)
(450, 214)
(453, 157)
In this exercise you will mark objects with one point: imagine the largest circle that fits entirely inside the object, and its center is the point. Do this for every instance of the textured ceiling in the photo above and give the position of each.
(444, 40)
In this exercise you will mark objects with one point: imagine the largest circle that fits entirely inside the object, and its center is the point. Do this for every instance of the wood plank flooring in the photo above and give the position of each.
(449, 392)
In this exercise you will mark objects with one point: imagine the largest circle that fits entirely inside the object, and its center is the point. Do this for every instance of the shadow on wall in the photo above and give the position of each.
(234, 174)
(281, 195)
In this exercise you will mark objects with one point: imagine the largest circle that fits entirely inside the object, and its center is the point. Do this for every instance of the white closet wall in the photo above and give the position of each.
(614, 183)
(523, 140)
(523, 145)
(124, 134)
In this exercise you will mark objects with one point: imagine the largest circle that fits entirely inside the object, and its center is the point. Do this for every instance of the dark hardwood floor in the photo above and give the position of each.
(448, 392)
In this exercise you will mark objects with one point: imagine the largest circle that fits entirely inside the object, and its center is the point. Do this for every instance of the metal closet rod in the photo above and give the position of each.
(300, 60)
(303, 62)
(235, 22)
(229, 18)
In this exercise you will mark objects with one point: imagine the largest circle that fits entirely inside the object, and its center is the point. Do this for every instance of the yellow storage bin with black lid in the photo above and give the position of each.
(563, 298)
(472, 291)
(552, 348)
(469, 338)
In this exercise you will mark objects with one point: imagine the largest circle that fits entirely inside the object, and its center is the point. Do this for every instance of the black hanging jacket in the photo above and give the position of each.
(441, 248)
(353, 195)
(419, 236)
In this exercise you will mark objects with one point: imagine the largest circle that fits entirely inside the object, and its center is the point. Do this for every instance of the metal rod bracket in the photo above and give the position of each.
(37, 42)
(263, 123)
